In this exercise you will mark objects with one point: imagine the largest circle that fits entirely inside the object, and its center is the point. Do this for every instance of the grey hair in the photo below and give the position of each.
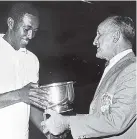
(126, 26)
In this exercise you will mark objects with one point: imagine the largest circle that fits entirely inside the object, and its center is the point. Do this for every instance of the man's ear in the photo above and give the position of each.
(10, 22)
(116, 36)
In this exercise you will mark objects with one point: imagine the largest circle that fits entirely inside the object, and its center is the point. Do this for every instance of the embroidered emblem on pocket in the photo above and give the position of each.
(106, 101)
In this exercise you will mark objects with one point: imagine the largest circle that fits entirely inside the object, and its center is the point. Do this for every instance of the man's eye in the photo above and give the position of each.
(26, 30)
(34, 31)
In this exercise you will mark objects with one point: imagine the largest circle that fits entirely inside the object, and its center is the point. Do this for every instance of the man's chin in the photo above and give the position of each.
(23, 46)
(99, 56)
(24, 42)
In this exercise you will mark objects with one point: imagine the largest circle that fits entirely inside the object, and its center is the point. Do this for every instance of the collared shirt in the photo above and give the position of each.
(113, 61)
(17, 69)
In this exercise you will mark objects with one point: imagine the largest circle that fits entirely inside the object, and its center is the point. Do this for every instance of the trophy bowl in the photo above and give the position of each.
(61, 95)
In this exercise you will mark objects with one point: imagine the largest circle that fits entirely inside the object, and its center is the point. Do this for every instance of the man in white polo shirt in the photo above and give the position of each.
(18, 73)
(112, 112)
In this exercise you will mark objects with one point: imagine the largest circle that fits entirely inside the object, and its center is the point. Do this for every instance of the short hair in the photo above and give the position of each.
(126, 26)
(19, 9)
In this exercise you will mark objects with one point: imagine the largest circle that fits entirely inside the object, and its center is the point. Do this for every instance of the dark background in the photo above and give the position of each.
(64, 46)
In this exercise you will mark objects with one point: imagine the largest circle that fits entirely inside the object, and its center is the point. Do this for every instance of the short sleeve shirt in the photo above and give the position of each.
(17, 69)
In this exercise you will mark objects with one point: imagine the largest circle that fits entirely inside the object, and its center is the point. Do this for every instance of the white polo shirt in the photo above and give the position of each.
(17, 69)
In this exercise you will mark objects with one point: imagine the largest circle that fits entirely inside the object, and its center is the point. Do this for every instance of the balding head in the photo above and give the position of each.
(125, 25)
(114, 35)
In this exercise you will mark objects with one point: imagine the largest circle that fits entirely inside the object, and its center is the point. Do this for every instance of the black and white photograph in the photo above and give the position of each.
(68, 69)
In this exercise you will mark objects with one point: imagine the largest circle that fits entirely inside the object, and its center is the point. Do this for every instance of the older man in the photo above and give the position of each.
(18, 73)
(112, 112)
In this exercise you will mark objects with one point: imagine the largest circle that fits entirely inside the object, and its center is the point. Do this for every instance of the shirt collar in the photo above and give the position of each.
(119, 56)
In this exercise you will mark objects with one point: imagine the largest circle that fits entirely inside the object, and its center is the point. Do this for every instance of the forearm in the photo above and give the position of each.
(117, 117)
(9, 98)
(94, 126)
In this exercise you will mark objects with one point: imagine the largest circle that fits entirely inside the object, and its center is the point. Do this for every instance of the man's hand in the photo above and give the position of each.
(56, 124)
(39, 98)
(25, 91)
(32, 94)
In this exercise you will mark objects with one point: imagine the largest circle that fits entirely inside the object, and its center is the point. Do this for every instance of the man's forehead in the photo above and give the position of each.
(30, 20)
(105, 26)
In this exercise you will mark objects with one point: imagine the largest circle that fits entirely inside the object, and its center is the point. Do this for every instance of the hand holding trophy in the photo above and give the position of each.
(57, 97)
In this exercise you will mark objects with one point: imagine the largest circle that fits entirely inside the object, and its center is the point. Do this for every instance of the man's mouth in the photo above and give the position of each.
(25, 41)
(98, 48)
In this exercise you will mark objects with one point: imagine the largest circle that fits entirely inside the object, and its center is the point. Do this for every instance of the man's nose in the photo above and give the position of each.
(30, 34)
(95, 42)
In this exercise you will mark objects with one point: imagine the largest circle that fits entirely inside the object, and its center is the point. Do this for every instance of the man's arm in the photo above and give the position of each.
(9, 98)
(15, 96)
(120, 115)
(122, 111)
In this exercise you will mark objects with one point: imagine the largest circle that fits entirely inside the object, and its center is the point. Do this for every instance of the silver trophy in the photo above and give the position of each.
(60, 98)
